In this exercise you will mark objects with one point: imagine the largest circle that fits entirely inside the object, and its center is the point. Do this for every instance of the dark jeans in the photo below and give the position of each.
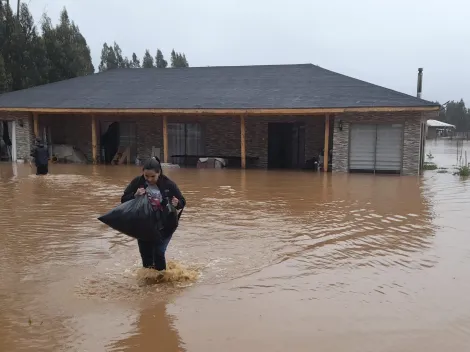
(153, 254)
(42, 169)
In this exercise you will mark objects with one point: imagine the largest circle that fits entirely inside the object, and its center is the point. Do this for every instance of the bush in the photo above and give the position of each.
(463, 171)
(429, 166)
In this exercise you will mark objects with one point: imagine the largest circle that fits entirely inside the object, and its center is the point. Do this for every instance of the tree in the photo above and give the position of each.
(109, 59)
(456, 113)
(160, 60)
(148, 60)
(178, 59)
(135, 63)
(67, 49)
(121, 62)
(23, 51)
(5, 78)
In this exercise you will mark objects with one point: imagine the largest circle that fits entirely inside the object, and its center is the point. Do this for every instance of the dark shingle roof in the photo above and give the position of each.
(238, 87)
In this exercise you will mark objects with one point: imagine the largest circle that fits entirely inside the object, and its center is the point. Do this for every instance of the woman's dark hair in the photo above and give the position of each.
(153, 164)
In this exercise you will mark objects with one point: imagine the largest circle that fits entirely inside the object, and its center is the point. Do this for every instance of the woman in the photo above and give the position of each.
(160, 189)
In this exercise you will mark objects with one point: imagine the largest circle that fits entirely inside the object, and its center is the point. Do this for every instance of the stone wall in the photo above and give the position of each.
(411, 141)
(24, 132)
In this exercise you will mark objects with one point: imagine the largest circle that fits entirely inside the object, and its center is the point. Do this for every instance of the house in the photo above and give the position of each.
(276, 116)
(437, 128)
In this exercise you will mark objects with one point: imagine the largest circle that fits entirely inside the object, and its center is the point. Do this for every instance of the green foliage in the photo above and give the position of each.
(463, 171)
(456, 113)
(178, 59)
(429, 166)
(135, 63)
(30, 58)
(160, 60)
(147, 61)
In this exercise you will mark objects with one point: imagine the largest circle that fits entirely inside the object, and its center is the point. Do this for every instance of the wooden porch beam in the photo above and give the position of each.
(165, 139)
(36, 124)
(94, 140)
(223, 112)
(327, 143)
(242, 141)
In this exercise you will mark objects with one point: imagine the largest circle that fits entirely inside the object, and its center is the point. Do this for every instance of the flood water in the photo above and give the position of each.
(263, 261)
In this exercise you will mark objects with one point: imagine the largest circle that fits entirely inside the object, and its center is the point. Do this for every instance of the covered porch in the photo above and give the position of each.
(289, 139)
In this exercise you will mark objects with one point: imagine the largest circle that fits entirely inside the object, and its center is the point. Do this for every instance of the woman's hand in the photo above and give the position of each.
(140, 192)
(175, 201)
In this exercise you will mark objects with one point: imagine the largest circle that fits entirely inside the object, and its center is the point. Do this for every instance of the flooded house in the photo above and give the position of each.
(277, 116)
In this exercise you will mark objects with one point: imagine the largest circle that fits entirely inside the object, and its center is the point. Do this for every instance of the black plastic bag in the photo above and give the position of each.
(170, 218)
(135, 218)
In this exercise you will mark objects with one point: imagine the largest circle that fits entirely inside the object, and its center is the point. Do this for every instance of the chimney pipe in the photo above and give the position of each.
(420, 82)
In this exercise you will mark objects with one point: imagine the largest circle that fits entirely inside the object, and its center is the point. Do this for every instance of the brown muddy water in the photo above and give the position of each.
(263, 261)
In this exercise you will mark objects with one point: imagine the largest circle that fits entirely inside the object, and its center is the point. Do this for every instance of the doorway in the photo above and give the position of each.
(286, 145)
(109, 141)
(7, 141)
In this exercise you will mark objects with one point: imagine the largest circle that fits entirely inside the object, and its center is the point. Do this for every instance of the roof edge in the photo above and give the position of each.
(300, 111)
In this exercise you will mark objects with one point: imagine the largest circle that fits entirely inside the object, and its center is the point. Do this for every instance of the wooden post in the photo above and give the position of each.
(36, 124)
(242, 141)
(165, 139)
(94, 143)
(327, 143)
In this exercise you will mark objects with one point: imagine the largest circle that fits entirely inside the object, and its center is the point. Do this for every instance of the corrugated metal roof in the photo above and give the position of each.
(436, 123)
(238, 87)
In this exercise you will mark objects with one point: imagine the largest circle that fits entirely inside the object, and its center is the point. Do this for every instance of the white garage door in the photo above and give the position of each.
(389, 147)
(362, 147)
(376, 148)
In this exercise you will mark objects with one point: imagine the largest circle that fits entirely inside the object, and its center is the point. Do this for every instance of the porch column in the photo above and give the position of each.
(94, 139)
(327, 137)
(165, 139)
(36, 124)
(242, 141)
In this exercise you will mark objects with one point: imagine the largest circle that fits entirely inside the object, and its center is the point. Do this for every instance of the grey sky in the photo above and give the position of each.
(380, 41)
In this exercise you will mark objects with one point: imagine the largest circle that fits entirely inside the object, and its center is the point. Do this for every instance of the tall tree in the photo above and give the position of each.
(109, 59)
(23, 50)
(178, 59)
(160, 60)
(135, 63)
(67, 49)
(5, 77)
(147, 62)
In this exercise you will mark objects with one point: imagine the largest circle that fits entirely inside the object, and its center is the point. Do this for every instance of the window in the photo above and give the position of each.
(184, 139)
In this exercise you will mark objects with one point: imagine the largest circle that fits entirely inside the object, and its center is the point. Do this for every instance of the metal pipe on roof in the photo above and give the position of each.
(420, 82)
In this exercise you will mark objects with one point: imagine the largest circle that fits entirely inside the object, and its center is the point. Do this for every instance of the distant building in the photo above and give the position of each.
(437, 128)
(280, 116)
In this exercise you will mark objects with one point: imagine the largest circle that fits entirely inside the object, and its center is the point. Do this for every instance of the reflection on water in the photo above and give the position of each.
(263, 261)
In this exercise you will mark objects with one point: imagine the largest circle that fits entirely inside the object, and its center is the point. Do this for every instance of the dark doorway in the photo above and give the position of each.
(286, 145)
(110, 142)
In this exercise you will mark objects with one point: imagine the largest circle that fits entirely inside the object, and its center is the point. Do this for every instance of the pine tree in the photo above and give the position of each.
(5, 78)
(148, 60)
(160, 60)
(135, 63)
(178, 59)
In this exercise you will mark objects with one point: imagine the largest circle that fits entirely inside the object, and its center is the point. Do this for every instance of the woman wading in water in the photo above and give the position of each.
(160, 190)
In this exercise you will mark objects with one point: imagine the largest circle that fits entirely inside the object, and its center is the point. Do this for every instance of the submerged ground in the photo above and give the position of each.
(263, 261)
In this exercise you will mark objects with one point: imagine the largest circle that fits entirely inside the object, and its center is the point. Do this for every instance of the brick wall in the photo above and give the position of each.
(411, 142)
(76, 130)
(222, 134)
(73, 130)
(257, 135)
(24, 132)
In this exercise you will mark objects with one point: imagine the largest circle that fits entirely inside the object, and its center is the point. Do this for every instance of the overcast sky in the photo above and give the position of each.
(380, 41)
